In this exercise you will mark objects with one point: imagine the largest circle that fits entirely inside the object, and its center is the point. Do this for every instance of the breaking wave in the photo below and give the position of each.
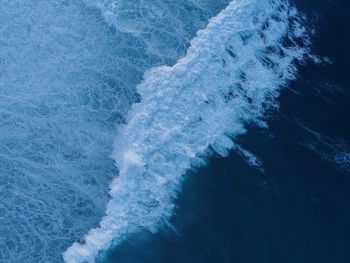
(231, 75)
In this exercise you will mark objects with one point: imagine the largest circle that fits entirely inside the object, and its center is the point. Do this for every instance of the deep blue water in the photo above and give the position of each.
(297, 210)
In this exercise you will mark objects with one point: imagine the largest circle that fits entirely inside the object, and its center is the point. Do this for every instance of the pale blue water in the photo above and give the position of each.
(82, 169)
(67, 79)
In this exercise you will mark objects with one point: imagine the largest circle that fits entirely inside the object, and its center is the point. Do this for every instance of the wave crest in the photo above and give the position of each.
(231, 75)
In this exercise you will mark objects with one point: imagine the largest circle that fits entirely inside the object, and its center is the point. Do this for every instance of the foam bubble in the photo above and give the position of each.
(231, 75)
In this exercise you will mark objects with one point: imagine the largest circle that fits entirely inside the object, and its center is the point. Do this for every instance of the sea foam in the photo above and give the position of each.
(231, 75)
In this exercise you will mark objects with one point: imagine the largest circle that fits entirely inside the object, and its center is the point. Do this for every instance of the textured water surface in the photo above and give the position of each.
(106, 105)
(67, 79)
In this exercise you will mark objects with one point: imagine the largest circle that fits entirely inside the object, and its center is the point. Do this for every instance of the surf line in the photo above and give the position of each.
(231, 75)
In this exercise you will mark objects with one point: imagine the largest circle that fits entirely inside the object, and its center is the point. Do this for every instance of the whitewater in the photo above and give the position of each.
(230, 76)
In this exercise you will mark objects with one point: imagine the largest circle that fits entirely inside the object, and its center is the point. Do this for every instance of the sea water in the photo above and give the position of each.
(231, 74)
(71, 73)
(296, 208)
(67, 79)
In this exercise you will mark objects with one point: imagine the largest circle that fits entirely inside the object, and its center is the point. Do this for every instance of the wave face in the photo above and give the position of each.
(67, 80)
(232, 73)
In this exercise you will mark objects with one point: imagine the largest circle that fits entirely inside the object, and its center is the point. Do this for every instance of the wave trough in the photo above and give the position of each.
(231, 75)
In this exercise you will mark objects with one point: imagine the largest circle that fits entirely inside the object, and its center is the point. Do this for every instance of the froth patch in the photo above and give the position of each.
(132, 159)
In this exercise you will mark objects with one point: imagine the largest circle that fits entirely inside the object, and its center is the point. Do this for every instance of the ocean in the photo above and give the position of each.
(296, 210)
(174, 131)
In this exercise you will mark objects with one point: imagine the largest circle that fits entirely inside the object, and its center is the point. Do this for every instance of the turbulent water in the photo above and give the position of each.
(230, 75)
(70, 72)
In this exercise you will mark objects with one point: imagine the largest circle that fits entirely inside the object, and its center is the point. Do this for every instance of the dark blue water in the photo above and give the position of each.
(297, 210)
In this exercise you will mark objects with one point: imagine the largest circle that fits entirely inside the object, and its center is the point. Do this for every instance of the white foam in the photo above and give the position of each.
(231, 75)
